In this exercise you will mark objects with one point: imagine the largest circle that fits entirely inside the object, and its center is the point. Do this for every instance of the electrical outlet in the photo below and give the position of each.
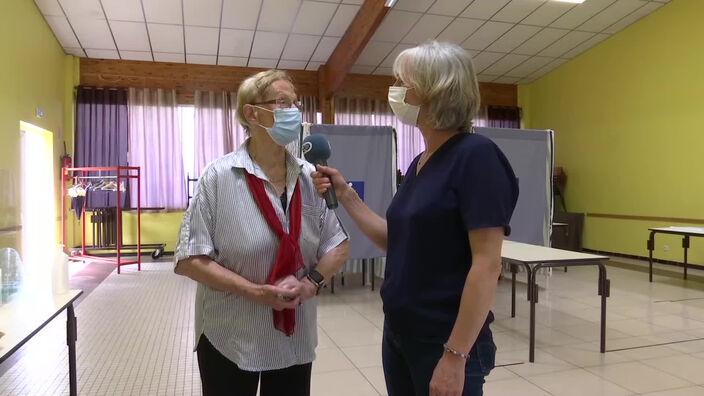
(666, 248)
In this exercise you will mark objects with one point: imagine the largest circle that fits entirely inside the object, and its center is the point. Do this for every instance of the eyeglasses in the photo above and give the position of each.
(282, 103)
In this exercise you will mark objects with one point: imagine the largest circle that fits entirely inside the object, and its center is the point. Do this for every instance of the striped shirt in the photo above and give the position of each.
(225, 223)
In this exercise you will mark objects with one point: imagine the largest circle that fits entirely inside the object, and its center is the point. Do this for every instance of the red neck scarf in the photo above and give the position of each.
(289, 259)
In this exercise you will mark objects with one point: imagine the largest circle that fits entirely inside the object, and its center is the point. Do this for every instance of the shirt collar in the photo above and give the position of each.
(241, 159)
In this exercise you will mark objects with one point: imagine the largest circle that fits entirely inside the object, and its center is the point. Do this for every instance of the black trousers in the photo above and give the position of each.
(220, 376)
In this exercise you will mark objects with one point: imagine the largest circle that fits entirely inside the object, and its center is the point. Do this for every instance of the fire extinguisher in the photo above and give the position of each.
(66, 162)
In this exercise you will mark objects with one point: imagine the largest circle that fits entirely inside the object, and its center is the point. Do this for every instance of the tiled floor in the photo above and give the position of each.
(136, 334)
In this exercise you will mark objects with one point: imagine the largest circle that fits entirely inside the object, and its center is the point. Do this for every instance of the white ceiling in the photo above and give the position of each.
(512, 41)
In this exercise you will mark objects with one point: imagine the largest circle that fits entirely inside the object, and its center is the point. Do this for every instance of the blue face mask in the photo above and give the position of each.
(287, 125)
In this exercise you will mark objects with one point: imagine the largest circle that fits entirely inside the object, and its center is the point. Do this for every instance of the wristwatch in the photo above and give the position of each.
(317, 278)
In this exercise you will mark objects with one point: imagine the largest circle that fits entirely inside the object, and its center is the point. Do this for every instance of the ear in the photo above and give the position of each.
(250, 114)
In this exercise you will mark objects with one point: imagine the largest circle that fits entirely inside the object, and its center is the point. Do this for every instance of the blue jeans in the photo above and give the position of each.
(409, 364)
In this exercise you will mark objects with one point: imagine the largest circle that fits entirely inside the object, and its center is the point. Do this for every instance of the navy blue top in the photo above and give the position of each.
(466, 184)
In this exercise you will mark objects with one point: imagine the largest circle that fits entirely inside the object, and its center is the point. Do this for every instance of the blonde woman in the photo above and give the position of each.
(261, 244)
(443, 231)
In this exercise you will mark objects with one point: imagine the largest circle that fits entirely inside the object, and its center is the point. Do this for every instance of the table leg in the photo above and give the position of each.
(604, 292)
(332, 284)
(373, 273)
(364, 272)
(513, 290)
(685, 245)
(71, 337)
(651, 247)
(533, 291)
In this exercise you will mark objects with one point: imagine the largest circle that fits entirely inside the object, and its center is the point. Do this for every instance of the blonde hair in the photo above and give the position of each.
(253, 89)
(443, 77)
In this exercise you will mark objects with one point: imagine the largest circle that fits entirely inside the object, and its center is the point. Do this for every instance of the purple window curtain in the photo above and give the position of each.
(213, 135)
(155, 146)
(357, 111)
(101, 136)
(504, 117)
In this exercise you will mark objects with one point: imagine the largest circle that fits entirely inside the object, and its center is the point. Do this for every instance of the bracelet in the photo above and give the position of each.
(455, 352)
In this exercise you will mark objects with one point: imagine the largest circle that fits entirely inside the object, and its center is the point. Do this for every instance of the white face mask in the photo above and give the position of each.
(406, 113)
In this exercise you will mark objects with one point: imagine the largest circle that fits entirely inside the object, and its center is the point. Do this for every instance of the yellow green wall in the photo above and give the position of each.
(628, 117)
(34, 72)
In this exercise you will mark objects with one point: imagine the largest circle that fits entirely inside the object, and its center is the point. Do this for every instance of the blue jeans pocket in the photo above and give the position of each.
(482, 359)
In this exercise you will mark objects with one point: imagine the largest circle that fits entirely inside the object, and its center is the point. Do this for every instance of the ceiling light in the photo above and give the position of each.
(571, 1)
(390, 3)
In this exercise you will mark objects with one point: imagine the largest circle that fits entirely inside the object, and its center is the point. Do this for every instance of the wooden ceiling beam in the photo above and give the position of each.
(358, 34)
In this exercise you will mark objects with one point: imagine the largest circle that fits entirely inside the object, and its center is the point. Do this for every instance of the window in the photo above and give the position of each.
(187, 117)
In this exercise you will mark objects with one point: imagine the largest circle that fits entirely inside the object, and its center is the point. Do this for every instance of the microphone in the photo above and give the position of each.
(316, 150)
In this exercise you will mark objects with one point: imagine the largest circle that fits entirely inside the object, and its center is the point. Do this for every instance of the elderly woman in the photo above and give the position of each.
(443, 231)
(260, 243)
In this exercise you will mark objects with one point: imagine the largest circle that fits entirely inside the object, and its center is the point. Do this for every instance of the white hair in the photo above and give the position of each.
(443, 77)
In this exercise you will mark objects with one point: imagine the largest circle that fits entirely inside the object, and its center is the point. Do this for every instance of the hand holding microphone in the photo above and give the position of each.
(316, 150)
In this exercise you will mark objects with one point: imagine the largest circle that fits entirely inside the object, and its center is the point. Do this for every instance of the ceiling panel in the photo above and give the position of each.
(485, 59)
(516, 10)
(513, 38)
(236, 43)
(506, 80)
(313, 66)
(201, 40)
(268, 45)
(486, 35)
(82, 8)
(130, 36)
(232, 61)
(278, 15)
(529, 66)
(325, 48)
(123, 10)
(396, 24)
(635, 16)
(292, 65)
(136, 55)
(102, 54)
(547, 13)
(413, 5)
(611, 15)
(428, 27)
(460, 29)
(169, 57)
(75, 51)
(93, 33)
(449, 7)
(166, 38)
(566, 43)
(586, 45)
(62, 30)
(314, 17)
(374, 53)
(241, 14)
(49, 7)
(486, 78)
(549, 67)
(505, 64)
(358, 2)
(484, 9)
(202, 12)
(341, 21)
(540, 41)
(391, 57)
(580, 13)
(163, 11)
(300, 47)
(201, 59)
